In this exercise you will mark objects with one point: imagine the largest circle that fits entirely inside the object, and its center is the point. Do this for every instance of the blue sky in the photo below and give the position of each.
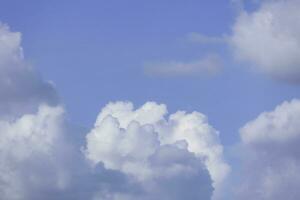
(245, 63)
(94, 52)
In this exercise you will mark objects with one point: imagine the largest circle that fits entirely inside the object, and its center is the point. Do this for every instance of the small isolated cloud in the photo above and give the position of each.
(208, 66)
(204, 39)
(172, 158)
(269, 38)
(271, 156)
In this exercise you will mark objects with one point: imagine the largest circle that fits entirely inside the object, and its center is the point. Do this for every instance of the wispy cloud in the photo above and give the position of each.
(205, 39)
(207, 66)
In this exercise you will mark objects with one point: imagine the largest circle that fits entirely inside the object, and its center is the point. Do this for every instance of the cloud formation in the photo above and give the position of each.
(145, 144)
(135, 154)
(21, 88)
(35, 154)
(269, 38)
(209, 65)
(271, 154)
(31, 160)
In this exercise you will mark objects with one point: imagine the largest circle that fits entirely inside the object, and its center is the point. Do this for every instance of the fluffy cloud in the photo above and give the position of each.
(21, 88)
(29, 152)
(144, 144)
(40, 159)
(137, 154)
(207, 66)
(35, 155)
(32, 147)
(269, 38)
(271, 154)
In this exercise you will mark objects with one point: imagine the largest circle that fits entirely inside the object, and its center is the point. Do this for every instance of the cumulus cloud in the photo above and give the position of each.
(32, 145)
(35, 154)
(269, 38)
(271, 154)
(135, 154)
(21, 88)
(207, 66)
(29, 154)
(144, 144)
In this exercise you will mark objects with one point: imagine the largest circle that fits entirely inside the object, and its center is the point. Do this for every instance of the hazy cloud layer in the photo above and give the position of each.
(271, 156)
(207, 66)
(269, 38)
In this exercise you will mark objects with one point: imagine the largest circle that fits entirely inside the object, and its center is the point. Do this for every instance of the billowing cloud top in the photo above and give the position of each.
(128, 140)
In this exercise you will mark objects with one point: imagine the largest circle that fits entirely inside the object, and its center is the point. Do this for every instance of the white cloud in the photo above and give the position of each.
(21, 88)
(40, 159)
(269, 38)
(271, 154)
(35, 153)
(207, 66)
(31, 131)
(281, 125)
(28, 154)
(128, 140)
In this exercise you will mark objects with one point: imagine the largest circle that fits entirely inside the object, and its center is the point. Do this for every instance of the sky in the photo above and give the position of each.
(112, 94)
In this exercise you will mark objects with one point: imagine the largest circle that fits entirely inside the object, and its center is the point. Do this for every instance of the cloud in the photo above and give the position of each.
(36, 155)
(204, 39)
(31, 160)
(135, 154)
(271, 154)
(269, 38)
(21, 88)
(208, 66)
(32, 144)
(145, 144)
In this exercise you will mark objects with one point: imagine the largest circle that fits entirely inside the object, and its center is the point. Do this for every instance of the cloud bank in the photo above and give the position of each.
(269, 38)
